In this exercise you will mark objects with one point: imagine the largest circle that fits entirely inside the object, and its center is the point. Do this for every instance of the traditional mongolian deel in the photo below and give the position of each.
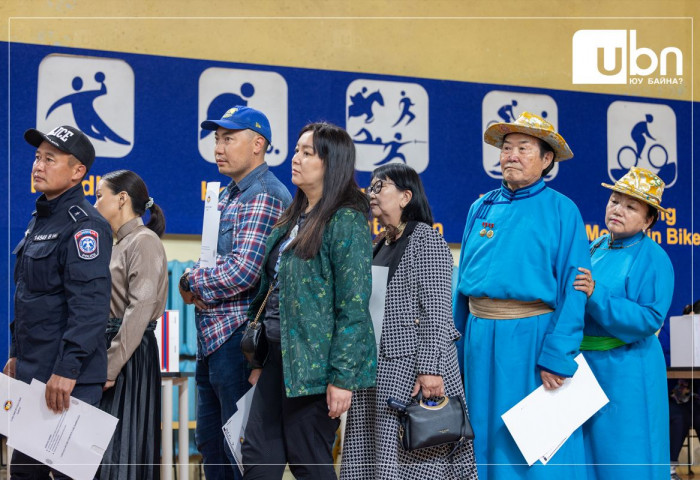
(87, 242)
(139, 291)
(538, 243)
(632, 295)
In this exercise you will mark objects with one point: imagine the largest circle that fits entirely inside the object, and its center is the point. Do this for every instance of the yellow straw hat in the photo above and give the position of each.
(530, 124)
(641, 184)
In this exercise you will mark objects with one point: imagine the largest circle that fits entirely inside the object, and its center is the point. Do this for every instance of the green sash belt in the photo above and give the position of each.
(600, 343)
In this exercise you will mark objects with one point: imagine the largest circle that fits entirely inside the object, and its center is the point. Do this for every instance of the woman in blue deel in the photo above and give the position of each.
(629, 294)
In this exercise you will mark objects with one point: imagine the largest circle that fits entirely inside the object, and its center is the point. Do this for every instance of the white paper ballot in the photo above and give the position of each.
(543, 420)
(377, 299)
(72, 442)
(12, 393)
(210, 227)
(548, 456)
(234, 429)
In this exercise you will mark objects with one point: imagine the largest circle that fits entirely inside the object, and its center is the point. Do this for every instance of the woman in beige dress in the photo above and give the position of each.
(139, 291)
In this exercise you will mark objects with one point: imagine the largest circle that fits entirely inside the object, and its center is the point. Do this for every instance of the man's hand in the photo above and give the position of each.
(254, 376)
(58, 390)
(187, 297)
(108, 384)
(199, 303)
(338, 400)
(550, 380)
(10, 367)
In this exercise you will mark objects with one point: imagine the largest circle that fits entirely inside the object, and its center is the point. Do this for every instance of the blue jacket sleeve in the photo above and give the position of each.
(565, 332)
(649, 288)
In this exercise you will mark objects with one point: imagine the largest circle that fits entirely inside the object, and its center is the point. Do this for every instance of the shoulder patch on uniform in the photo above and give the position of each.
(77, 213)
(87, 243)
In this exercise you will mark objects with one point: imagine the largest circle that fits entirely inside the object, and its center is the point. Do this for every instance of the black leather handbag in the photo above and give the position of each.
(423, 424)
(254, 342)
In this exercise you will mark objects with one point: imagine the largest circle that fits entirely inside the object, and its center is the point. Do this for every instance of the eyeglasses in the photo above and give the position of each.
(377, 187)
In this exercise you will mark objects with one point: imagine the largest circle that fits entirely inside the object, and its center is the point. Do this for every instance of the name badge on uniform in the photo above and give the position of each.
(87, 243)
(46, 236)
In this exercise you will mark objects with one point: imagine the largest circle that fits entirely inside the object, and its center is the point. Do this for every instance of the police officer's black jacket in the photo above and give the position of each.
(62, 291)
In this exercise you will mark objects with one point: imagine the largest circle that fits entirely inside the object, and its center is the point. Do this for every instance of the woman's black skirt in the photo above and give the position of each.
(134, 453)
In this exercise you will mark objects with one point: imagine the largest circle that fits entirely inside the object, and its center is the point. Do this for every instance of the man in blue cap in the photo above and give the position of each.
(250, 205)
(63, 284)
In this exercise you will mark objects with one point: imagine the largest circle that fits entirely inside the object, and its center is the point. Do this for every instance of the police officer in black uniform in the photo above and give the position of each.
(62, 284)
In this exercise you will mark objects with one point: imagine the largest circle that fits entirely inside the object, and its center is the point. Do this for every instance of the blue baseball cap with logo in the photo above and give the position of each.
(242, 118)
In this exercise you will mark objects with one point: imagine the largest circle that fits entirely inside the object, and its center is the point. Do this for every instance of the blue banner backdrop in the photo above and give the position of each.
(144, 113)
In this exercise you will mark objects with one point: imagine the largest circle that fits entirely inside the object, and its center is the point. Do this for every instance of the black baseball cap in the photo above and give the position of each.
(67, 139)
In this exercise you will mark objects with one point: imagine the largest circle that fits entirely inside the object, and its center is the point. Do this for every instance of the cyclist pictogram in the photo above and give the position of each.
(643, 135)
(629, 156)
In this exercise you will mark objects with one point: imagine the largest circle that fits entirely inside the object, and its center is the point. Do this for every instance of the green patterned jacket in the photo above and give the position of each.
(325, 325)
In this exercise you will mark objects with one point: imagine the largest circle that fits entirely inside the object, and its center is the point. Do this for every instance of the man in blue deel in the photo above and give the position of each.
(521, 318)
(62, 284)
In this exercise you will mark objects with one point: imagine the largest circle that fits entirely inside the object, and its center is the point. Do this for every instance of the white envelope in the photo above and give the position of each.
(72, 442)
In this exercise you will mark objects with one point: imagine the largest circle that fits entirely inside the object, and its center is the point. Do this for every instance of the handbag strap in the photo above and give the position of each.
(285, 243)
(262, 307)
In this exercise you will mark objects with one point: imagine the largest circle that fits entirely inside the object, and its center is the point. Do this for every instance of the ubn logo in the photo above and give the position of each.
(606, 57)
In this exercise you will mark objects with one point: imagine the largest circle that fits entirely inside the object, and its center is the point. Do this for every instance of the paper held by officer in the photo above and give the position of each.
(71, 442)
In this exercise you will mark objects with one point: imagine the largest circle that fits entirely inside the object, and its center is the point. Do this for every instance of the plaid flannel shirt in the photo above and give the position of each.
(249, 210)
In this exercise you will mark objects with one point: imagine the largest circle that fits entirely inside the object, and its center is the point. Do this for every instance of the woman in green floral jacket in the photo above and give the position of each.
(313, 301)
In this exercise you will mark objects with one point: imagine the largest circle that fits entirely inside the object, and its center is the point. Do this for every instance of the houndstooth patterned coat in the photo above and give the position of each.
(418, 336)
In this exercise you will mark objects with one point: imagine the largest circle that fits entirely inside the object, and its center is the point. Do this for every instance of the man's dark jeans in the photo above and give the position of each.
(222, 379)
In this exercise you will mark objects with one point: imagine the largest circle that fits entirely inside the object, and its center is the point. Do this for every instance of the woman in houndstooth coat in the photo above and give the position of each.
(417, 347)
